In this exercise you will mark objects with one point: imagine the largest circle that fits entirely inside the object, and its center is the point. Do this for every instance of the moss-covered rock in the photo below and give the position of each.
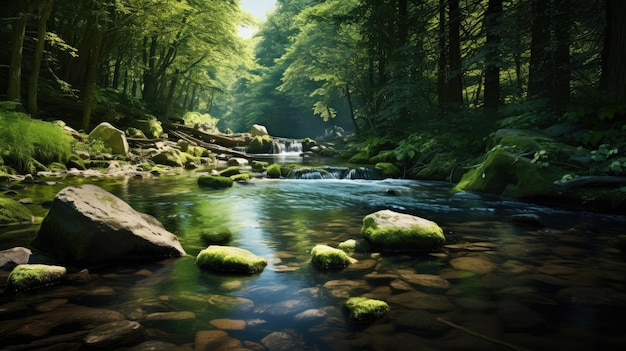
(169, 157)
(392, 231)
(352, 245)
(511, 176)
(360, 158)
(74, 161)
(362, 310)
(389, 169)
(215, 181)
(273, 171)
(32, 276)
(326, 257)
(241, 177)
(308, 144)
(230, 171)
(259, 166)
(111, 137)
(230, 259)
(13, 212)
(260, 144)
(216, 237)
(135, 133)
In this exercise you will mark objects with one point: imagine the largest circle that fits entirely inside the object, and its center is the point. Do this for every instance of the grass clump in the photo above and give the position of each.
(24, 140)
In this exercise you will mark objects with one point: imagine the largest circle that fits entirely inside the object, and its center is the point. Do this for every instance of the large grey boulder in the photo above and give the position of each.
(111, 137)
(87, 224)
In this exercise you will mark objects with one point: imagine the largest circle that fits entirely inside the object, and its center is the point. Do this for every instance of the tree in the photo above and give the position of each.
(493, 15)
(540, 70)
(613, 78)
(44, 9)
(17, 40)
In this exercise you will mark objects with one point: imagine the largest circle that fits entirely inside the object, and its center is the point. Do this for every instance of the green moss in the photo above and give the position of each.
(308, 143)
(510, 176)
(362, 310)
(439, 168)
(261, 144)
(240, 177)
(274, 171)
(230, 171)
(259, 166)
(230, 259)
(31, 276)
(13, 212)
(389, 169)
(219, 236)
(215, 181)
(326, 257)
(360, 158)
(393, 231)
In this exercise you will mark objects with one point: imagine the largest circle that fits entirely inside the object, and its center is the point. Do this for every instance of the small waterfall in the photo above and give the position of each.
(365, 173)
(286, 146)
(336, 173)
(310, 173)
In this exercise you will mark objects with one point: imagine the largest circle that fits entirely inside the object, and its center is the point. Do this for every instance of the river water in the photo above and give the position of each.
(496, 285)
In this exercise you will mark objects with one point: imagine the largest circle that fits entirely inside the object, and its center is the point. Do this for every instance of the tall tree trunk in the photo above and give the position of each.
(116, 71)
(149, 61)
(92, 75)
(455, 83)
(560, 93)
(442, 65)
(613, 77)
(356, 125)
(15, 68)
(540, 70)
(45, 8)
(170, 97)
(492, 57)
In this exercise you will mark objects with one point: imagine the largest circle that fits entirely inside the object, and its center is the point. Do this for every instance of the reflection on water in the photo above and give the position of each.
(495, 286)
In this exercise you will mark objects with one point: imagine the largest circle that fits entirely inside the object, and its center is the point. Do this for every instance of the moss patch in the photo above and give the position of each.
(392, 231)
(32, 276)
(13, 212)
(510, 176)
(230, 259)
(261, 144)
(326, 257)
(242, 177)
(215, 181)
(230, 171)
(219, 236)
(360, 158)
(362, 310)
(273, 171)
(259, 166)
(389, 169)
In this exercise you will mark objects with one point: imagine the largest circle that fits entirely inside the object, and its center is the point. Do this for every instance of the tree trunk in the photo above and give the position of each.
(613, 77)
(540, 70)
(560, 93)
(170, 97)
(455, 83)
(92, 75)
(15, 68)
(45, 9)
(492, 57)
(442, 75)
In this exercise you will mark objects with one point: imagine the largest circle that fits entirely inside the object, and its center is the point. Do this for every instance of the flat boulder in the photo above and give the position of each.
(87, 224)
(230, 259)
(258, 130)
(111, 137)
(392, 231)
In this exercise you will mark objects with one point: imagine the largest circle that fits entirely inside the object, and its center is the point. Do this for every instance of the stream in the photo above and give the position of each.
(496, 285)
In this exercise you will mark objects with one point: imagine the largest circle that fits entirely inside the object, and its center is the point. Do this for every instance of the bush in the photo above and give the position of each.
(24, 139)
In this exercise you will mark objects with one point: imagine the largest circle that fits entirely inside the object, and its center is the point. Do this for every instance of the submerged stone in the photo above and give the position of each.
(32, 276)
(13, 212)
(326, 257)
(114, 334)
(392, 231)
(215, 181)
(230, 259)
(363, 310)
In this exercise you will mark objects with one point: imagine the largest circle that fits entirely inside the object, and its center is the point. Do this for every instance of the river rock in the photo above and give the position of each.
(326, 257)
(279, 341)
(32, 276)
(231, 259)
(258, 130)
(14, 256)
(478, 265)
(155, 345)
(13, 212)
(111, 137)
(392, 231)
(90, 225)
(169, 157)
(422, 301)
(228, 324)
(362, 310)
(114, 334)
(215, 340)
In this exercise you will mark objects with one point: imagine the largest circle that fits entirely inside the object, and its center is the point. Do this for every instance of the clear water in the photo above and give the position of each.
(552, 288)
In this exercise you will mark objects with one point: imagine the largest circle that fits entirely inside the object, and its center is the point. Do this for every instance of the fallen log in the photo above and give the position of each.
(209, 146)
(590, 182)
(225, 140)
